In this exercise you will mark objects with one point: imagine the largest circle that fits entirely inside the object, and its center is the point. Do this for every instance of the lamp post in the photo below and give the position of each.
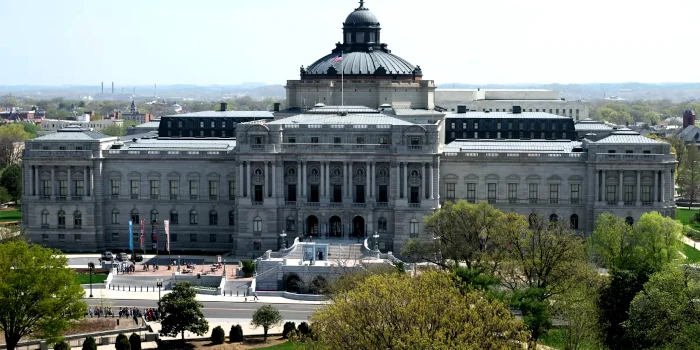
(178, 263)
(91, 266)
(224, 267)
(159, 284)
(283, 237)
(375, 245)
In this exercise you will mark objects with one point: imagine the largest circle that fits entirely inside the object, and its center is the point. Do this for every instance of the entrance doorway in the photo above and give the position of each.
(312, 226)
(336, 226)
(358, 226)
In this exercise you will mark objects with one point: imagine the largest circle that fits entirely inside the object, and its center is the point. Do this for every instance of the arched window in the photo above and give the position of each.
(291, 224)
(232, 218)
(194, 218)
(45, 217)
(77, 219)
(115, 217)
(257, 225)
(574, 222)
(135, 216)
(213, 218)
(553, 218)
(629, 220)
(382, 225)
(413, 228)
(61, 219)
(154, 215)
(174, 217)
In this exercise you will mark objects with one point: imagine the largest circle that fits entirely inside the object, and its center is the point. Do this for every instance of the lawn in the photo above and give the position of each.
(84, 278)
(684, 216)
(691, 253)
(556, 338)
(10, 215)
(283, 346)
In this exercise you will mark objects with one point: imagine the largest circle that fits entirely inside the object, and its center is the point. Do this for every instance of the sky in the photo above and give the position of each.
(207, 42)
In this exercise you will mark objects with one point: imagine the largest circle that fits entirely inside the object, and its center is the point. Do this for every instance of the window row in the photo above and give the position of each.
(174, 217)
(533, 193)
(173, 189)
(495, 125)
(77, 188)
(509, 135)
(61, 219)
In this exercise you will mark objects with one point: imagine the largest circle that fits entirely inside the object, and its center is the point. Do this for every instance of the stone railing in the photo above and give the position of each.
(285, 252)
(367, 251)
(58, 154)
(634, 157)
(515, 156)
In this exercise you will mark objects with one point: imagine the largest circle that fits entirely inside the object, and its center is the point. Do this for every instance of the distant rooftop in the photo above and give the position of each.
(181, 144)
(226, 114)
(74, 133)
(590, 125)
(549, 146)
(626, 136)
(505, 115)
(479, 89)
(357, 119)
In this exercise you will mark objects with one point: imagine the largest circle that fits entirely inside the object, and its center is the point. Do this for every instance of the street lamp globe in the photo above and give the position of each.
(283, 237)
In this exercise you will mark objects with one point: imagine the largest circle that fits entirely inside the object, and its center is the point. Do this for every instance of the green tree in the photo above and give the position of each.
(11, 179)
(235, 334)
(9, 102)
(12, 137)
(396, 311)
(217, 335)
(4, 195)
(266, 317)
(665, 314)
(182, 312)
(135, 341)
(31, 129)
(89, 343)
(114, 130)
(679, 149)
(39, 294)
(689, 175)
(578, 309)
(123, 344)
(61, 345)
(120, 337)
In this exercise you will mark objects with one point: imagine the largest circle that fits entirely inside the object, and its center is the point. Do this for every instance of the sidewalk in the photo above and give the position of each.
(121, 295)
(691, 242)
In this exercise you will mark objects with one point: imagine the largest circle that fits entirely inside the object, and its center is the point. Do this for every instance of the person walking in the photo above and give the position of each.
(255, 295)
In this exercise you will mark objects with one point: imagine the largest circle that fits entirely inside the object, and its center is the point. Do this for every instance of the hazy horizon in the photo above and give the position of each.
(219, 42)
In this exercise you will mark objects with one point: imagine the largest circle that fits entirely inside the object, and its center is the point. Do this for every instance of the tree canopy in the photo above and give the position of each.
(396, 311)
(182, 312)
(266, 317)
(11, 179)
(39, 294)
(689, 174)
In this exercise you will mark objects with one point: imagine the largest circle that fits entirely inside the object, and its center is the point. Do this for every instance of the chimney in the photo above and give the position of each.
(112, 87)
(461, 109)
(103, 87)
(517, 110)
(223, 107)
(688, 118)
(276, 107)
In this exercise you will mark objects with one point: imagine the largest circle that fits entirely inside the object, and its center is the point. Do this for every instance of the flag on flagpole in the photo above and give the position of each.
(166, 227)
(143, 228)
(338, 58)
(131, 236)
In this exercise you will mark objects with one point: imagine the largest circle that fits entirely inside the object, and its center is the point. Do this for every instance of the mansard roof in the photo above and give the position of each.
(549, 146)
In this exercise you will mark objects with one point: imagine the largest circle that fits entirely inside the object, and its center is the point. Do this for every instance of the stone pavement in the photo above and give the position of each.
(691, 243)
(121, 295)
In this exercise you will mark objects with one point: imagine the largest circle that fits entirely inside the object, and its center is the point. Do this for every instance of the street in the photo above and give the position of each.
(219, 310)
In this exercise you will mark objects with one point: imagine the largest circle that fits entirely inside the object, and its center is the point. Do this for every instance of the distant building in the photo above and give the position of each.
(143, 128)
(221, 123)
(135, 115)
(17, 115)
(51, 125)
(177, 108)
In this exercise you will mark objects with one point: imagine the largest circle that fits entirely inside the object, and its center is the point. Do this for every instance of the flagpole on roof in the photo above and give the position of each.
(342, 80)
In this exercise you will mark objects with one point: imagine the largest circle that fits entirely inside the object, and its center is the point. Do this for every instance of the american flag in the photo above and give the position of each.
(338, 58)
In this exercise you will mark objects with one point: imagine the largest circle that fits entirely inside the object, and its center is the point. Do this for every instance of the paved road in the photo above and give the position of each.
(223, 309)
(162, 260)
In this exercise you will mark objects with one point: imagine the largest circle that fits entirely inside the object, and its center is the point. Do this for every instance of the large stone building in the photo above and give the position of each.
(235, 181)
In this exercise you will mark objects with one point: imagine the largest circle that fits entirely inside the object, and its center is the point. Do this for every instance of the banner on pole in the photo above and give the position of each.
(131, 235)
(166, 227)
(143, 239)
(154, 236)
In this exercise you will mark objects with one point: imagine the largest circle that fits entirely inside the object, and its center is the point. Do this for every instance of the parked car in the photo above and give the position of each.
(122, 257)
(136, 257)
(107, 256)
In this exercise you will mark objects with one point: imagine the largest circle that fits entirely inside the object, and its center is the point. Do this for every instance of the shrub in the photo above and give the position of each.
(304, 329)
(289, 327)
(119, 338)
(248, 268)
(123, 344)
(89, 344)
(236, 334)
(135, 341)
(62, 345)
(218, 335)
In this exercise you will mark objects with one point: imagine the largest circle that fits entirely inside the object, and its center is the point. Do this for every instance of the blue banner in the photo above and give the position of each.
(131, 236)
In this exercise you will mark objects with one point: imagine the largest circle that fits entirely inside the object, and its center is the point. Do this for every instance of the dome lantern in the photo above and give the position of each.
(361, 27)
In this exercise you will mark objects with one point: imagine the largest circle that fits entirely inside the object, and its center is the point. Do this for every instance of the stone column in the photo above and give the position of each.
(29, 190)
(85, 184)
(37, 191)
(620, 193)
(656, 186)
(247, 180)
(597, 185)
(367, 182)
(53, 182)
(303, 179)
(373, 179)
(405, 180)
(298, 180)
(639, 188)
(328, 179)
(241, 187)
(432, 179)
(274, 183)
(662, 196)
(70, 185)
(345, 179)
(605, 198)
(92, 181)
(267, 178)
(422, 182)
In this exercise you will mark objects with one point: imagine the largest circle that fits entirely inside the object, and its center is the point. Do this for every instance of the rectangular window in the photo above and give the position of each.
(62, 188)
(134, 189)
(413, 229)
(553, 193)
(452, 126)
(533, 191)
(338, 194)
(471, 192)
(575, 193)
(232, 190)
(77, 238)
(610, 193)
(512, 193)
(415, 195)
(174, 218)
(193, 237)
(313, 194)
(291, 139)
(213, 190)
(359, 193)
(47, 187)
(291, 193)
(79, 188)
(212, 238)
(258, 195)
(174, 189)
(44, 238)
(464, 126)
(154, 189)
(383, 194)
(194, 189)
(173, 237)
(646, 193)
(115, 217)
(115, 236)
(498, 126)
(361, 140)
(450, 189)
(257, 246)
(314, 139)
(629, 193)
(337, 140)
(476, 125)
(492, 188)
